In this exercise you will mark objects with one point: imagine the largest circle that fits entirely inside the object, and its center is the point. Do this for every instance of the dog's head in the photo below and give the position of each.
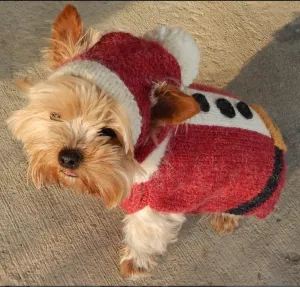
(74, 133)
(77, 135)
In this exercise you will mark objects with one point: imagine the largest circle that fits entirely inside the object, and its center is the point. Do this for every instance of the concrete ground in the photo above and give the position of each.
(50, 237)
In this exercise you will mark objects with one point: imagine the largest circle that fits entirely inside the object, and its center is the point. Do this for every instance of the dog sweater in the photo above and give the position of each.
(228, 158)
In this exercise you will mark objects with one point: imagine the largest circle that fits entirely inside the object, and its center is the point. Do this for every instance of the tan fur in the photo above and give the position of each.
(129, 271)
(23, 85)
(225, 223)
(172, 106)
(68, 38)
(128, 268)
(108, 168)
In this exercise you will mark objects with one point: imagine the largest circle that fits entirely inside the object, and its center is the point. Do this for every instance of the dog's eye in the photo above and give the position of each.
(107, 132)
(55, 116)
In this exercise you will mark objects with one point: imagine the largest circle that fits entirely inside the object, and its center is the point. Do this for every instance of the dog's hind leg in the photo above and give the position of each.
(224, 222)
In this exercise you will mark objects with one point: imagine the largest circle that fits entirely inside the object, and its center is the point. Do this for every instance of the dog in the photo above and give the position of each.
(84, 129)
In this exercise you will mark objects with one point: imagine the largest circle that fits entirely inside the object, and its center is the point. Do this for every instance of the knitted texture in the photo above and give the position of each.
(274, 131)
(137, 63)
(209, 173)
(126, 67)
(211, 168)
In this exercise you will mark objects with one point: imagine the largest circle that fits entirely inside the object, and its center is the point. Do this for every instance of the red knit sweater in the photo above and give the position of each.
(212, 168)
(222, 160)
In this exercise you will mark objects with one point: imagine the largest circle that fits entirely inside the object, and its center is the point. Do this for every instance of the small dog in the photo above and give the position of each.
(77, 131)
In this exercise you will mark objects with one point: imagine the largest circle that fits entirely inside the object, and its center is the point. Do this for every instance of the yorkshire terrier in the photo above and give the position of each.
(77, 131)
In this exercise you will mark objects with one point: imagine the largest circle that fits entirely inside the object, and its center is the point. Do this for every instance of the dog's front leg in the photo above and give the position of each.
(147, 234)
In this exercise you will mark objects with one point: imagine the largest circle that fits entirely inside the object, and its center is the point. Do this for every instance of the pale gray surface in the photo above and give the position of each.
(50, 237)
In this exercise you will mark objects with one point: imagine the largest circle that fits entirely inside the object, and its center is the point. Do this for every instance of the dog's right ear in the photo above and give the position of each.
(67, 31)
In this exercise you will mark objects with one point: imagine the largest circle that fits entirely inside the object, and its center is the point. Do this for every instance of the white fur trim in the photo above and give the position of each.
(182, 46)
(151, 163)
(111, 83)
(214, 117)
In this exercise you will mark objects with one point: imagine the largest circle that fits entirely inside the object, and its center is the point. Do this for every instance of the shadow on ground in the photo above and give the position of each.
(272, 79)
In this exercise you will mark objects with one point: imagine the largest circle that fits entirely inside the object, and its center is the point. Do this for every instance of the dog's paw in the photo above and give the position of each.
(225, 223)
(128, 270)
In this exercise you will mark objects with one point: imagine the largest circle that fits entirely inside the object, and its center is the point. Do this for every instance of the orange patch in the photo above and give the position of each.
(274, 131)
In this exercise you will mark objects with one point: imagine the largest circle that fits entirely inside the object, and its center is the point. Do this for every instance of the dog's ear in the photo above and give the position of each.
(172, 106)
(23, 86)
(67, 30)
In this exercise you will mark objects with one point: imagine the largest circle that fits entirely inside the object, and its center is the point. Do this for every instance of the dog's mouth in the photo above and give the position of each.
(69, 173)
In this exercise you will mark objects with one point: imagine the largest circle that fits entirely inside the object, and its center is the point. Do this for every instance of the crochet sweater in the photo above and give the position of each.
(228, 158)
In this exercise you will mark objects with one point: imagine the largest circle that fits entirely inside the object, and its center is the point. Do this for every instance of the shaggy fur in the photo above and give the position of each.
(83, 110)
(147, 233)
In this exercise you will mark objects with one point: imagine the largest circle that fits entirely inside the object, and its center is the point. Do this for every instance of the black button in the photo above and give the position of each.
(202, 101)
(226, 108)
(244, 109)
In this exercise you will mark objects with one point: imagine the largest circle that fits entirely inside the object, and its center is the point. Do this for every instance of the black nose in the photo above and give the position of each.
(69, 158)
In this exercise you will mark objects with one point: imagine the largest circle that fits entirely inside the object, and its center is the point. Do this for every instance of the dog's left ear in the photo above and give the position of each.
(172, 106)
(23, 86)
(67, 31)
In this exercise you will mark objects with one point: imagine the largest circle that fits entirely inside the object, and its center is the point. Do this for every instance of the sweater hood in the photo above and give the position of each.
(126, 67)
